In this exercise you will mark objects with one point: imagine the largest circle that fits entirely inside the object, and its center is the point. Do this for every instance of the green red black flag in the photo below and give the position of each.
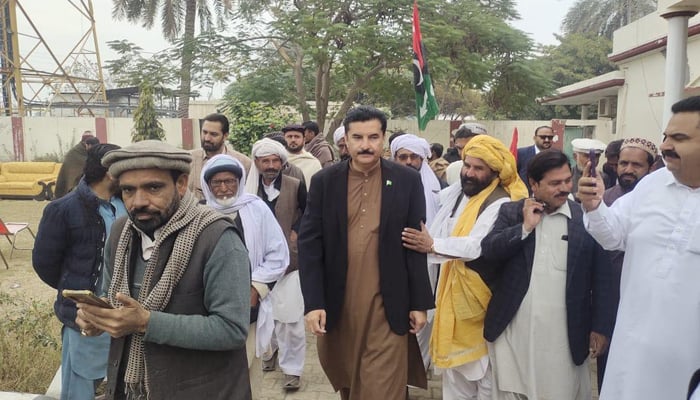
(426, 105)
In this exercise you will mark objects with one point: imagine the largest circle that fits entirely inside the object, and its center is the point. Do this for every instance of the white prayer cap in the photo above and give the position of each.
(411, 143)
(338, 134)
(582, 145)
(266, 147)
(476, 128)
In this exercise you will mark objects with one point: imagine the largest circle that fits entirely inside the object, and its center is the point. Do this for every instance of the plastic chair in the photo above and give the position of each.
(11, 229)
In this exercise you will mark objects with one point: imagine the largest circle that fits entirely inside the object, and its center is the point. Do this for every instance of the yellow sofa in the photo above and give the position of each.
(28, 179)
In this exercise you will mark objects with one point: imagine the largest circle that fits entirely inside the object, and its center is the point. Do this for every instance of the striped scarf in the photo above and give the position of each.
(187, 223)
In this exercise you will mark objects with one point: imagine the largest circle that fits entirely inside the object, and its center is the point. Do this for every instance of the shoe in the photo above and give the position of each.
(291, 382)
(269, 364)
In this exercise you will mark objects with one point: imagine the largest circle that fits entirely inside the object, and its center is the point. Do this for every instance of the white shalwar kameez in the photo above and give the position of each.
(471, 379)
(656, 346)
(532, 357)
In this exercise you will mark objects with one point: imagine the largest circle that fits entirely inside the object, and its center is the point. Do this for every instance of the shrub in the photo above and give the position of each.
(30, 344)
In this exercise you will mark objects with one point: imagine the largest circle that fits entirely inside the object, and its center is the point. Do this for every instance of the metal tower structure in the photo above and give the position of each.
(36, 79)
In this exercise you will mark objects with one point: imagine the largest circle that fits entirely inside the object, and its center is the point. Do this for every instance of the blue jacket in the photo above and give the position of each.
(68, 252)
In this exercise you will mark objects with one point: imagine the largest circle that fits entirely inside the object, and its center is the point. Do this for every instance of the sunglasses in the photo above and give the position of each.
(546, 137)
(412, 156)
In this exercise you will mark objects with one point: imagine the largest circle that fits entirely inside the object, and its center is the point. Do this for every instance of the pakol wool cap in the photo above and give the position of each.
(145, 155)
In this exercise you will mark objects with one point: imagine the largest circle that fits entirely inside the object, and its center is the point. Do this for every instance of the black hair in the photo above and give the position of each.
(545, 161)
(362, 114)
(221, 118)
(279, 139)
(691, 104)
(463, 133)
(613, 148)
(437, 149)
(92, 141)
(94, 171)
(542, 127)
(312, 126)
(395, 135)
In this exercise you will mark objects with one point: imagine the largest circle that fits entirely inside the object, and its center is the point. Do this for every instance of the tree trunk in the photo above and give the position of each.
(350, 98)
(323, 88)
(183, 108)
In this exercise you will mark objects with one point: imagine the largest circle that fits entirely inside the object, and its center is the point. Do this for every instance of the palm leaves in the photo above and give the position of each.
(603, 17)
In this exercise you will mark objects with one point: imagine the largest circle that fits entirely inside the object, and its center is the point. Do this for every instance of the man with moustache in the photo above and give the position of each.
(544, 137)
(468, 211)
(655, 348)
(214, 136)
(286, 197)
(267, 249)
(612, 156)
(67, 254)
(634, 159)
(552, 306)
(363, 291)
(178, 280)
(307, 163)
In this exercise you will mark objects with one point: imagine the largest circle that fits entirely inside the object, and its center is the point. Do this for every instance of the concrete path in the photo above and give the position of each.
(314, 384)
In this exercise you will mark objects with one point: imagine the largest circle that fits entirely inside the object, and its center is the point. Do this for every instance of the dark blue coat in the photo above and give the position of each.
(589, 292)
(69, 246)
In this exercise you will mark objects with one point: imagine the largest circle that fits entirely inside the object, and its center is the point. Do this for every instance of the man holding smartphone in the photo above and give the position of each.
(178, 278)
(68, 255)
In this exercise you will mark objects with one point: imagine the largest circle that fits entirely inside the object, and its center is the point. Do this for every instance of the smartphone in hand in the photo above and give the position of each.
(593, 158)
(85, 296)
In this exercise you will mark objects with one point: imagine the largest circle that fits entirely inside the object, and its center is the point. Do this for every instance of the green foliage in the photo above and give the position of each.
(146, 124)
(359, 51)
(249, 121)
(133, 67)
(30, 344)
(578, 57)
(603, 17)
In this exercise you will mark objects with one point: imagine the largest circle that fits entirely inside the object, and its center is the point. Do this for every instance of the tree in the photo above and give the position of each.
(177, 18)
(249, 121)
(146, 124)
(603, 17)
(577, 57)
(354, 51)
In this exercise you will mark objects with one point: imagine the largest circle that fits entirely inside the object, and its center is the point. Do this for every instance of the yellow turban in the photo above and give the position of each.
(497, 156)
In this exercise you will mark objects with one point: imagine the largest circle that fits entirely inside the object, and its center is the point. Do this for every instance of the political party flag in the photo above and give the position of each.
(514, 144)
(426, 105)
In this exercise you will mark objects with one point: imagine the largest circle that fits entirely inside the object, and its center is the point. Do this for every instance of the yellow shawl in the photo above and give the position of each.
(462, 297)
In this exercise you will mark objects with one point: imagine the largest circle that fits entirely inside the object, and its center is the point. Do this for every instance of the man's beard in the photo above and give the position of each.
(270, 174)
(207, 146)
(473, 186)
(294, 150)
(158, 218)
(226, 201)
(625, 184)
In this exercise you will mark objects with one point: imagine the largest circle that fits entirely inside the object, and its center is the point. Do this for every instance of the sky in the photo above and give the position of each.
(61, 26)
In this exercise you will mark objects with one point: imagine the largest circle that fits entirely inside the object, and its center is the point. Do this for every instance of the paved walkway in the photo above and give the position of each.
(315, 385)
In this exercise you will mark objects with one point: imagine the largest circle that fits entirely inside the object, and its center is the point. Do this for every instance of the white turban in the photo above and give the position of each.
(263, 148)
(431, 185)
(338, 134)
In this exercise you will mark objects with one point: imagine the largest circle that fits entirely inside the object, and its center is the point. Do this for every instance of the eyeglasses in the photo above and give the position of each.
(412, 156)
(226, 182)
(546, 137)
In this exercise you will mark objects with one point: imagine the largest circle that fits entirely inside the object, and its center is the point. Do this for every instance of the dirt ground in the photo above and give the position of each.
(20, 278)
